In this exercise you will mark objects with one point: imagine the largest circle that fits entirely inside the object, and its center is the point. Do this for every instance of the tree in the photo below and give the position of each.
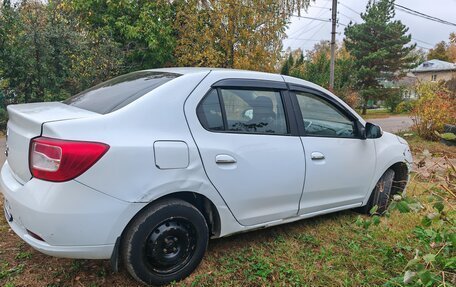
(231, 33)
(379, 48)
(439, 52)
(451, 51)
(289, 62)
(47, 55)
(419, 55)
(314, 67)
(143, 30)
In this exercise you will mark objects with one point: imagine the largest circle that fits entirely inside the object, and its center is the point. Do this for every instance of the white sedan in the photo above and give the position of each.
(145, 168)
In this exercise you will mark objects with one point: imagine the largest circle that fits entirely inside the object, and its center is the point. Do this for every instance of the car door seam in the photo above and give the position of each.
(199, 152)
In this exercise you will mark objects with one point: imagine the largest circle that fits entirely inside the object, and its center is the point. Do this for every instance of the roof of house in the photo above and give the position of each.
(434, 65)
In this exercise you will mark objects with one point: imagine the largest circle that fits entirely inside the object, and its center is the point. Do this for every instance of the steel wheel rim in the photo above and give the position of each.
(170, 245)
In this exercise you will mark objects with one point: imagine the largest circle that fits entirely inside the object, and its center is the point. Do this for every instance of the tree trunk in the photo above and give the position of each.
(366, 101)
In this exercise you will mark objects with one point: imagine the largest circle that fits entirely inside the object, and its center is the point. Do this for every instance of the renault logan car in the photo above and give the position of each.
(143, 169)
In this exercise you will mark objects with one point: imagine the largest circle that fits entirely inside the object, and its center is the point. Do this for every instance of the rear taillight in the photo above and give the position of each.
(61, 160)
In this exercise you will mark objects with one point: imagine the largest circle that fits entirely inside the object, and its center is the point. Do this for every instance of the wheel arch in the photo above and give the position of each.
(201, 202)
(401, 175)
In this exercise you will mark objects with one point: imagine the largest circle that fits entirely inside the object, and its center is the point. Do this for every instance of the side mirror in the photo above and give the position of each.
(373, 131)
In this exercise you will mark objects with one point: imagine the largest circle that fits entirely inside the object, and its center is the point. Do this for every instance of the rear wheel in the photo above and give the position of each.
(381, 195)
(165, 242)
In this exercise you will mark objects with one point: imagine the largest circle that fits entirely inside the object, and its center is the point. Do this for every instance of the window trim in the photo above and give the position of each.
(295, 89)
(251, 84)
(290, 120)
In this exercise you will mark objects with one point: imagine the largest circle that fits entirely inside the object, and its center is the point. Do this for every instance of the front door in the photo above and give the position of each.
(339, 165)
(248, 152)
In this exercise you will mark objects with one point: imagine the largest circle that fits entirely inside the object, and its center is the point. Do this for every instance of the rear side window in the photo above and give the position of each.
(243, 111)
(210, 113)
(120, 91)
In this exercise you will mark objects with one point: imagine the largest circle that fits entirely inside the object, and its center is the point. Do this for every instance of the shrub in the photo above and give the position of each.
(3, 119)
(435, 107)
(405, 107)
(393, 99)
(350, 97)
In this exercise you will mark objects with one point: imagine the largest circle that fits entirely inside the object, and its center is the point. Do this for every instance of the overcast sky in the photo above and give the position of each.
(304, 33)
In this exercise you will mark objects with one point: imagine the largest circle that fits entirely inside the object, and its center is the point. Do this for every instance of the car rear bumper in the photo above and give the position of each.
(74, 221)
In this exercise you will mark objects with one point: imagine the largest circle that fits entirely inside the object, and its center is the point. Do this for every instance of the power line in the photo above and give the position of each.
(320, 13)
(302, 39)
(422, 15)
(321, 7)
(349, 8)
(348, 17)
(312, 18)
(424, 42)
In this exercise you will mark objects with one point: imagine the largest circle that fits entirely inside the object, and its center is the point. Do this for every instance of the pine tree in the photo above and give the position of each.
(380, 49)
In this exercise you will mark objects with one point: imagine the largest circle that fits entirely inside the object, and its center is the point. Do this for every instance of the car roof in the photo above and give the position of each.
(234, 72)
(231, 72)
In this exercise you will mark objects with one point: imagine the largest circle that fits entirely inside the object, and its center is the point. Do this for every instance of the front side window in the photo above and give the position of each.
(243, 111)
(321, 118)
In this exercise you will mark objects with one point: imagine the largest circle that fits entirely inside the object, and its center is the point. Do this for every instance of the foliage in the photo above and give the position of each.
(143, 30)
(45, 56)
(405, 107)
(231, 33)
(446, 136)
(439, 52)
(314, 67)
(445, 51)
(433, 257)
(451, 86)
(436, 249)
(434, 108)
(379, 48)
(393, 99)
(419, 55)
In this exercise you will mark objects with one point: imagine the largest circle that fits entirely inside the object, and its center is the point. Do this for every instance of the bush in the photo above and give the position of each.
(3, 119)
(435, 107)
(350, 97)
(405, 107)
(393, 99)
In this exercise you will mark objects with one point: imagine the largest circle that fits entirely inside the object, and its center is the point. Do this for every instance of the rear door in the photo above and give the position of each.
(340, 164)
(248, 149)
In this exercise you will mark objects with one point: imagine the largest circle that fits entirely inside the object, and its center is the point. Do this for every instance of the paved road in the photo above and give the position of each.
(393, 124)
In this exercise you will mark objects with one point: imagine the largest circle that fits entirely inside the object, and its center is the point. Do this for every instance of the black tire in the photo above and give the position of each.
(165, 242)
(381, 195)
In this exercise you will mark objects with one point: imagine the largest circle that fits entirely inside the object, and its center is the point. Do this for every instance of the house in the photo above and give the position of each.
(406, 84)
(434, 71)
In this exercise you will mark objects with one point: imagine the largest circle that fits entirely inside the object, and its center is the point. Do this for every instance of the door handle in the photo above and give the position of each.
(224, 158)
(317, 155)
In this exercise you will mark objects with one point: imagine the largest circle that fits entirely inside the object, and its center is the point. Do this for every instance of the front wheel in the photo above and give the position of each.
(165, 242)
(381, 195)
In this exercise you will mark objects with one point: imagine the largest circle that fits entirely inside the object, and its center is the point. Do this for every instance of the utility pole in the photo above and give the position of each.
(333, 44)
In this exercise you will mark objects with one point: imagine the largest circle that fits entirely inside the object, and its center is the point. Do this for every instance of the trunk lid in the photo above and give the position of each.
(25, 123)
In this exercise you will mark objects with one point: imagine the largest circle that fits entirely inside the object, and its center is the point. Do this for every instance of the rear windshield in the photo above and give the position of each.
(119, 92)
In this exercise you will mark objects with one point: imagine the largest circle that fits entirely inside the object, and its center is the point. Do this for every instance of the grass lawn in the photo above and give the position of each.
(330, 250)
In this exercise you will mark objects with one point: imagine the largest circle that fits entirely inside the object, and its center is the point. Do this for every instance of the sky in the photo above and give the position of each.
(304, 33)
